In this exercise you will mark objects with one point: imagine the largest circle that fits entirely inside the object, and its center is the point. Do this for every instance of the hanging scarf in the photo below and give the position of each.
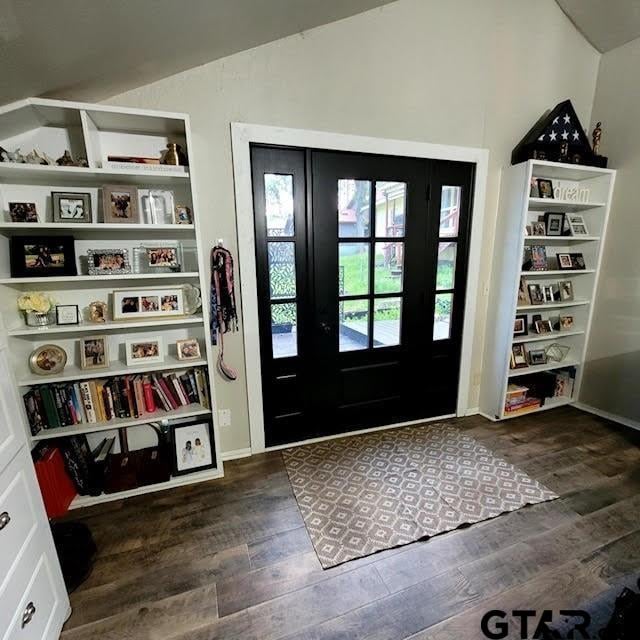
(224, 316)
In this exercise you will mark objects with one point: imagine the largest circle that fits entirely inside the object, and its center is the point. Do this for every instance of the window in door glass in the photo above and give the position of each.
(449, 211)
(282, 269)
(445, 276)
(353, 322)
(386, 321)
(390, 209)
(284, 334)
(442, 316)
(389, 262)
(354, 208)
(353, 268)
(278, 196)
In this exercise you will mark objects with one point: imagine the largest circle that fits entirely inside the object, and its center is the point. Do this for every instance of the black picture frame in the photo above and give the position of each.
(536, 295)
(545, 188)
(554, 223)
(577, 261)
(522, 318)
(67, 306)
(207, 423)
(57, 198)
(49, 249)
(565, 263)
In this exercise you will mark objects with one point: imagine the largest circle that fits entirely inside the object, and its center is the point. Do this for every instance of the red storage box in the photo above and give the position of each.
(57, 488)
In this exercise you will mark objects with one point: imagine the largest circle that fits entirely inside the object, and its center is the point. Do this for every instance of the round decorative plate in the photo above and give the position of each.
(192, 299)
(48, 360)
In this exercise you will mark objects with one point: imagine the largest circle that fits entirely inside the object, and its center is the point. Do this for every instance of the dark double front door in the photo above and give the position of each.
(361, 267)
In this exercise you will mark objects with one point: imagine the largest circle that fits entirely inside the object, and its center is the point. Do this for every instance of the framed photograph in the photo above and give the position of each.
(23, 212)
(130, 304)
(518, 357)
(182, 215)
(545, 188)
(98, 311)
(538, 228)
(48, 360)
(120, 204)
(71, 207)
(534, 192)
(94, 352)
(577, 225)
(566, 290)
(523, 295)
(543, 326)
(537, 356)
(538, 257)
(548, 293)
(536, 295)
(193, 446)
(520, 327)
(108, 261)
(144, 350)
(188, 349)
(577, 261)
(566, 323)
(67, 314)
(564, 261)
(35, 256)
(162, 257)
(554, 223)
(156, 206)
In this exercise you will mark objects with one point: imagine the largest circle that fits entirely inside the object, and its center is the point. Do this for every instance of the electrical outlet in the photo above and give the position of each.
(224, 416)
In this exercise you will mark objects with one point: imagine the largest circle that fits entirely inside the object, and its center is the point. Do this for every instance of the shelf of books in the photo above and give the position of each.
(102, 274)
(551, 227)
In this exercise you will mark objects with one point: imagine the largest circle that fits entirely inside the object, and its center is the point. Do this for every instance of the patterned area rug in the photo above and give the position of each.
(363, 494)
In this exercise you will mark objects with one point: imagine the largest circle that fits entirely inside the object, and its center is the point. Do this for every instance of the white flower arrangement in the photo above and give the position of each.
(35, 301)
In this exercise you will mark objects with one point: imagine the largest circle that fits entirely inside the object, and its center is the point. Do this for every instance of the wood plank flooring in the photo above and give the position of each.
(231, 558)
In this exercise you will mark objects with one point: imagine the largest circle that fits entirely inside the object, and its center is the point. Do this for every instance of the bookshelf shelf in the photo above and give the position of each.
(556, 272)
(185, 275)
(545, 407)
(549, 204)
(569, 362)
(91, 230)
(555, 335)
(554, 305)
(560, 239)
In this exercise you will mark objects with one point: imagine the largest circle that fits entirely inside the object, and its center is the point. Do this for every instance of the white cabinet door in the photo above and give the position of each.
(12, 430)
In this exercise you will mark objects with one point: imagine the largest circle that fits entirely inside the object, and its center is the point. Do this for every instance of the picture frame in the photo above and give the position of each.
(162, 256)
(520, 327)
(524, 298)
(564, 261)
(518, 357)
(577, 262)
(566, 290)
(98, 311)
(40, 256)
(69, 207)
(23, 212)
(94, 352)
(545, 188)
(566, 323)
(144, 350)
(536, 295)
(543, 326)
(557, 352)
(548, 293)
(537, 356)
(577, 225)
(120, 204)
(108, 262)
(193, 446)
(534, 192)
(47, 360)
(538, 257)
(554, 223)
(182, 214)
(67, 314)
(156, 206)
(188, 349)
(153, 302)
(538, 228)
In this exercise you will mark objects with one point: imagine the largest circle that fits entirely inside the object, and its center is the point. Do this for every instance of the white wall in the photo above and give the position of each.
(459, 72)
(612, 375)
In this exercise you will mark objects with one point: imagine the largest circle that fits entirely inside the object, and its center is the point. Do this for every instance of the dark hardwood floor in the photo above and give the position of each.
(231, 558)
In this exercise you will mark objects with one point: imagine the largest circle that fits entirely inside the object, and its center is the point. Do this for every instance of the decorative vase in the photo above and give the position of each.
(174, 155)
(35, 319)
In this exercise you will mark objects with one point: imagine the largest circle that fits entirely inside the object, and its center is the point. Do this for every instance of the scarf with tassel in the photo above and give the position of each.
(224, 316)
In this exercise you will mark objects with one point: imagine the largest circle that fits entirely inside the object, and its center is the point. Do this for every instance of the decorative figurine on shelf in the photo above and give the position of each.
(65, 160)
(12, 156)
(596, 135)
(564, 152)
(82, 162)
(174, 155)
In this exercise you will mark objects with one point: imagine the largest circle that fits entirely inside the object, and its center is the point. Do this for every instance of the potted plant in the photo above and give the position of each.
(38, 307)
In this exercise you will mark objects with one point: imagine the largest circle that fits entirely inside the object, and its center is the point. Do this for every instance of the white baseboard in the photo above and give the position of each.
(473, 411)
(626, 422)
(235, 454)
(487, 416)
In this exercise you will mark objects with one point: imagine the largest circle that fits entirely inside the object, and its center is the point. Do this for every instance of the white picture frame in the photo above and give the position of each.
(577, 225)
(151, 302)
(156, 206)
(144, 350)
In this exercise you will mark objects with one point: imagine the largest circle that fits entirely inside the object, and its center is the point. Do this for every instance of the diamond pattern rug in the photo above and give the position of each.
(363, 494)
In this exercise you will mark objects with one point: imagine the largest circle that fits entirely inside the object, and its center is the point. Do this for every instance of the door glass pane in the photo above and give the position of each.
(354, 208)
(282, 269)
(278, 196)
(354, 325)
(353, 269)
(389, 261)
(449, 211)
(284, 335)
(386, 322)
(390, 209)
(445, 276)
(442, 316)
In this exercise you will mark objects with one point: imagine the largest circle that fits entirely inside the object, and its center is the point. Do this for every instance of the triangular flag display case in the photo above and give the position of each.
(558, 136)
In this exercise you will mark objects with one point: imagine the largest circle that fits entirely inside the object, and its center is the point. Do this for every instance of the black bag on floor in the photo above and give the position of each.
(76, 550)
(625, 620)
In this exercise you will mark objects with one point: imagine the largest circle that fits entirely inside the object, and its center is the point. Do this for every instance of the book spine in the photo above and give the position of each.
(87, 401)
(77, 399)
(108, 402)
(167, 392)
(60, 403)
(149, 402)
(128, 389)
(138, 394)
(100, 396)
(182, 396)
(199, 386)
(188, 385)
(162, 397)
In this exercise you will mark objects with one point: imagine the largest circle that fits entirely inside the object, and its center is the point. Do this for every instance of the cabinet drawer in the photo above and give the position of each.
(38, 609)
(18, 515)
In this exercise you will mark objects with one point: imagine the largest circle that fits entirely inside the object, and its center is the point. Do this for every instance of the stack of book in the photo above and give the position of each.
(518, 402)
(51, 406)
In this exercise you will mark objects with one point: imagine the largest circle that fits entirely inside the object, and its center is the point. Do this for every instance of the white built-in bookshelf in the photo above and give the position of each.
(518, 210)
(95, 132)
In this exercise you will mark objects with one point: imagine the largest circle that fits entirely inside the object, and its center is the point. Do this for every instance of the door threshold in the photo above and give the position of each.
(396, 425)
